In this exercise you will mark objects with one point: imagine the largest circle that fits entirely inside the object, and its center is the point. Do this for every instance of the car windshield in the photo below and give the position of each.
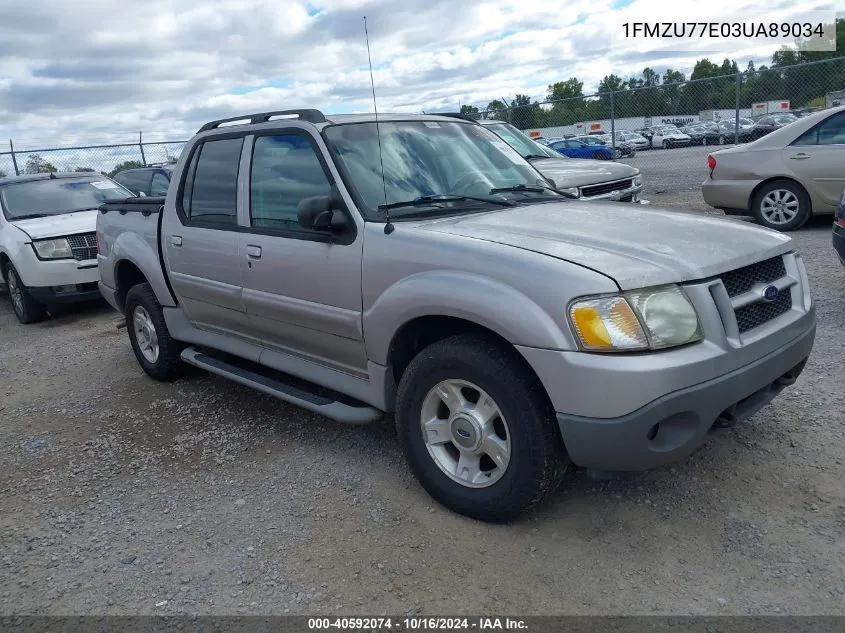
(520, 142)
(786, 118)
(425, 159)
(38, 198)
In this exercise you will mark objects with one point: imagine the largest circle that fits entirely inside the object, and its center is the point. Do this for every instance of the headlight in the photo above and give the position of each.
(53, 249)
(571, 190)
(638, 180)
(653, 318)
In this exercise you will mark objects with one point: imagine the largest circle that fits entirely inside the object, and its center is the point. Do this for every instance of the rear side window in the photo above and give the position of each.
(159, 185)
(831, 131)
(136, 181)
(211, 191)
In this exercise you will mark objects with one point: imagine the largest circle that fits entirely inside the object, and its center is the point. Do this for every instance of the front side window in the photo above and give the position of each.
(56, 196)
(426, 158)
(136, 180)
(285, 170)
(213, 196)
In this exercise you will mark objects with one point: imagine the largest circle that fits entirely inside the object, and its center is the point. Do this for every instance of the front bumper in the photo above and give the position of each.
(66, 293)
(675, 425)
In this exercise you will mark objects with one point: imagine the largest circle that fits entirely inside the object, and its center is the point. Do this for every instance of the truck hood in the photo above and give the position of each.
(567, 172)
(58, 225)
(633, 246)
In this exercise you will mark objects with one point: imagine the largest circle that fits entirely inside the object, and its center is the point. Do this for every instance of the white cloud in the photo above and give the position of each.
(102, 69)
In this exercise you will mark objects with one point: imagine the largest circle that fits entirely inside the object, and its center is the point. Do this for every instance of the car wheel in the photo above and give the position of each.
(665, 144)
(781, 205)
(26, 309)
(157, 353)
(478, 430)
(617, 154)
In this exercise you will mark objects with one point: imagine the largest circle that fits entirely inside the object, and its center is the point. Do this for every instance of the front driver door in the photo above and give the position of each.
(302, 288)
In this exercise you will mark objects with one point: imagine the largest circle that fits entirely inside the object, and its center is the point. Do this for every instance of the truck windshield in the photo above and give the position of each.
(39, 198)
(430, 159)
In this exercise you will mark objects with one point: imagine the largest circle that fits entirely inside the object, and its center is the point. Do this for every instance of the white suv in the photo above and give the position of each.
(48, 247)
(669, 136)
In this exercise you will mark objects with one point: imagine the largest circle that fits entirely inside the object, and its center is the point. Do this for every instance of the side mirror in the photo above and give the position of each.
(141, 194)
(322, 213)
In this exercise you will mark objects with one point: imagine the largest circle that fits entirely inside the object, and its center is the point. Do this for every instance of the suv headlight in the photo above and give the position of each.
(57, 248)
(571, 190)
(647, 319)
(638, 180)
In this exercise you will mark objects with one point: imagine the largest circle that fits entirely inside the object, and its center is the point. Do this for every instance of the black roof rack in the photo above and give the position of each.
(456, 115)
(312, 116)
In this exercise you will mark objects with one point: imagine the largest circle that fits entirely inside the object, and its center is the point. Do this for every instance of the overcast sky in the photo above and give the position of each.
(85, 72)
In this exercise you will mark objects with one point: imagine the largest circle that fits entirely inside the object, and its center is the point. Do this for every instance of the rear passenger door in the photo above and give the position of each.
(817, 157)
(302, 288)
(200, 241)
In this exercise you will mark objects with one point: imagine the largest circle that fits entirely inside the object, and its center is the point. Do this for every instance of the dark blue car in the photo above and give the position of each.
(577, 149)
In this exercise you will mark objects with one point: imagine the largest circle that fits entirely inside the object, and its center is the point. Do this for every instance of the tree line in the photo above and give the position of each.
(652, 94)
(35, 164)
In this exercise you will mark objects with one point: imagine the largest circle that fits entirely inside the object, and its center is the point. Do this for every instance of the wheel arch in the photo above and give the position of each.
(757, 188)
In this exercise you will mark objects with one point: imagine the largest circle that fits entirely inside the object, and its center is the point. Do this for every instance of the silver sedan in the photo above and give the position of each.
(785, 177)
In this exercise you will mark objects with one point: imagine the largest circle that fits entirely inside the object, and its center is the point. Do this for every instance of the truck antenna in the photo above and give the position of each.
(388, 227)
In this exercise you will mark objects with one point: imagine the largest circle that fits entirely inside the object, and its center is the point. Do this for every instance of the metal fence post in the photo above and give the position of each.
(613, 120)
(14, 160)
(736, 118)
(141, 146)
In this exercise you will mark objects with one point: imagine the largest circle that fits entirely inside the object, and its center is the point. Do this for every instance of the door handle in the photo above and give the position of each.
(253, 251)
(176, 240)
(801, 156)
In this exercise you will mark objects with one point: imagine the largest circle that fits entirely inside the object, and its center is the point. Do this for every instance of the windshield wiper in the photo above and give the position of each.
(442, 197)
(29, 216)
(533, 156)
(532, 189)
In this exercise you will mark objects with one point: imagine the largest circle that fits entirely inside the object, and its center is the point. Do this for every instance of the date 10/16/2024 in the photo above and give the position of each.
(418, 624)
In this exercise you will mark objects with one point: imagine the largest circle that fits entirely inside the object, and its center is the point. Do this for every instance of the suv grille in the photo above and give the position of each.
(605, 187)
(751, 316)
(740, 281)
(83, 246)
(743, 279)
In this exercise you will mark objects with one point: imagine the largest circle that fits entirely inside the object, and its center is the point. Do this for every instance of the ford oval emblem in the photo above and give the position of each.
(770, 293)
(462, 432)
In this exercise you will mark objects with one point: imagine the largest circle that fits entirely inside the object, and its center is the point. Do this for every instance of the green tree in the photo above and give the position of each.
(85, 169)
(127, 164)
(37, 165)
(3, 174)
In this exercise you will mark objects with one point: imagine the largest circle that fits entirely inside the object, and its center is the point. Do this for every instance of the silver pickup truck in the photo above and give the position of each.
(418, 266)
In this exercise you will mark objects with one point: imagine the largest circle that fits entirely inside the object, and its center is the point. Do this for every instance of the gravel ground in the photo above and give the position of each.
(120, 495)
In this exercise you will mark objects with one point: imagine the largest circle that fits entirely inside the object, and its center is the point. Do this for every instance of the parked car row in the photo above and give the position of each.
(421, 266)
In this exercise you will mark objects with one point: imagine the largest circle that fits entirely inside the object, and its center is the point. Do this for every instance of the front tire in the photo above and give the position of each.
(617, 154)
(478, 430)
(781, 205)
(26, 309)
(666, 145)
(156, 352)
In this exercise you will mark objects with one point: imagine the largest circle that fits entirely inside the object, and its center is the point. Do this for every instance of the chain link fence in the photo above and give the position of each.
(664, 125)
(106, 159)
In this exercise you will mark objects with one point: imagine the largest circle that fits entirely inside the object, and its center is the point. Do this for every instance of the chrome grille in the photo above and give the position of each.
(605, 187)
(743, 279)
(83, 246)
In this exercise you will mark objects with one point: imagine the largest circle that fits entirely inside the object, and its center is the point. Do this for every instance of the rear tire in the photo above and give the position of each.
(475, 366)
(666, 145)
(156, 352)
(781, 205)
(26, 309)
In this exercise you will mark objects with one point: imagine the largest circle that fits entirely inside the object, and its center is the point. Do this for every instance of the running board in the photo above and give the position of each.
(338, 411)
